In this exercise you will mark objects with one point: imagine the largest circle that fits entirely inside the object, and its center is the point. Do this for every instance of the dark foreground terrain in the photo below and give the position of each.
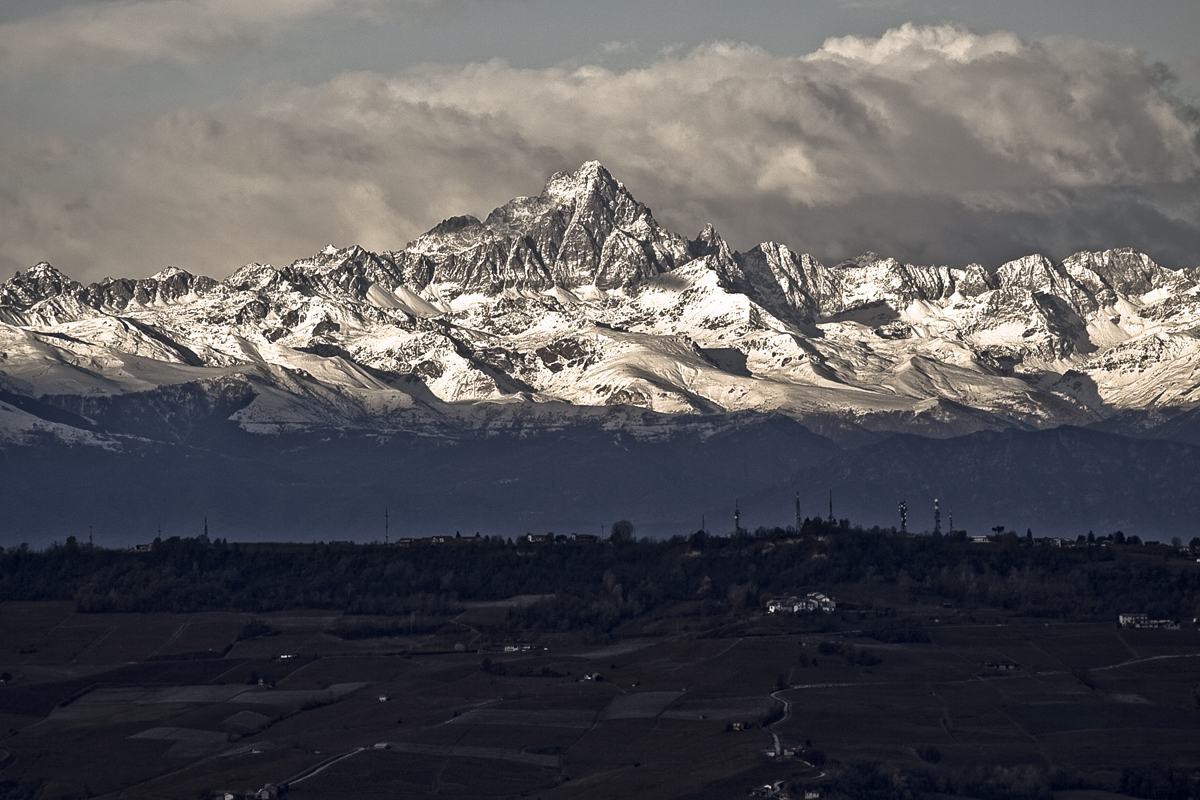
(925, 682)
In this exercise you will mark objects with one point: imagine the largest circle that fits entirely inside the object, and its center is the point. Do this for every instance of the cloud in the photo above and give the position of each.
(928, 143)
(872, 5)
(128, 31)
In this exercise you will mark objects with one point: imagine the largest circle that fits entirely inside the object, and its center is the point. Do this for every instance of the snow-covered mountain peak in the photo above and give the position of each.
(709, 242)
(40, 282)
(252, 276)
(572, 188)
(1126, 272)
(42, 269)
(866, 259)
(168, 273)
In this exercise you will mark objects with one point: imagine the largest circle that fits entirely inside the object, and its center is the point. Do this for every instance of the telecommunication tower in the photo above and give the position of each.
(831, 520)
(937, 517)
(903, 517)
(797, 512)
(737, 518)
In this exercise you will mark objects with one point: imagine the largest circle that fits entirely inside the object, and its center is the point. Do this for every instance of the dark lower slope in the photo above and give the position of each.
(327, 486)
(331, 486)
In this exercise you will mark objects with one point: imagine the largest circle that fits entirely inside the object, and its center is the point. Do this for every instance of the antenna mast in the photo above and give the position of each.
(797, 512)
(737, 518)
(937, 517)
(903, 517)
(385, 525)
(831, 520)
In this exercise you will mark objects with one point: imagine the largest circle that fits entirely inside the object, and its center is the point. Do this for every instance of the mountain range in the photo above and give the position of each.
(568, 361)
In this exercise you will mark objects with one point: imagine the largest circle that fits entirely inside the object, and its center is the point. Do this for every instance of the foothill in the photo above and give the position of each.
(821, 660)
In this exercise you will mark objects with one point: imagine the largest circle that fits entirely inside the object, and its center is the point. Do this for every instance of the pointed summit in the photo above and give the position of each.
(38, 283)
(584, 229)
(709, 243)
(590, 179)
(168, 273)
(865, 260)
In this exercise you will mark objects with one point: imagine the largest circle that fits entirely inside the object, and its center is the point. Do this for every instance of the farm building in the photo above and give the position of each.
(813, 601)
(1144, 621)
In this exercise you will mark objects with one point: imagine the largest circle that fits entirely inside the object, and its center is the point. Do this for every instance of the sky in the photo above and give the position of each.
(207, 134)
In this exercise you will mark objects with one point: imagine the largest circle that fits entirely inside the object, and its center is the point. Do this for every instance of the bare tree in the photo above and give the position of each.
(622, 532)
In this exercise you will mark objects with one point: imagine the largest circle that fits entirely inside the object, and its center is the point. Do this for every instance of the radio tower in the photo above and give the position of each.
(937, 517)
(797, 512)
(903, 517)
(385, 525)
(950, 513)
(831, 520)
(737, 518)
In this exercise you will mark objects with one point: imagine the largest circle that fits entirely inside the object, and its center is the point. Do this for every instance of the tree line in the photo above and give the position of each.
(599, 585)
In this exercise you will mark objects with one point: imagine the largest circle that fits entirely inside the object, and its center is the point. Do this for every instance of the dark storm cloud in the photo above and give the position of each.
(928, 143)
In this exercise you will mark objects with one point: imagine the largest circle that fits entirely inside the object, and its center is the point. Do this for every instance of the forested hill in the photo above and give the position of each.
(597, 585)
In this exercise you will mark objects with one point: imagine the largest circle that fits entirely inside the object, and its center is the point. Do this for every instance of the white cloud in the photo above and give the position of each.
(927, 143)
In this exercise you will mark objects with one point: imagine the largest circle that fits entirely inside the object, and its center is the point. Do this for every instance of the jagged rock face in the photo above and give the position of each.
(790, 283)
(43, 282)
(36, 284)
(782, 280)
(169, 286)
(1122, 272)
(576, 299)
(584, 229)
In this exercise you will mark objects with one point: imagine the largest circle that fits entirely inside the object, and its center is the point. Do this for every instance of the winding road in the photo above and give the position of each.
(787, 714)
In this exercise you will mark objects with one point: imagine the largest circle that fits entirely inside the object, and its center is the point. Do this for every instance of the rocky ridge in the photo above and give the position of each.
(577, 305)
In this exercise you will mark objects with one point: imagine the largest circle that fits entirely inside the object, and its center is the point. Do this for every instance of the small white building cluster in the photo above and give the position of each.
(813, 601)
(1143, 621)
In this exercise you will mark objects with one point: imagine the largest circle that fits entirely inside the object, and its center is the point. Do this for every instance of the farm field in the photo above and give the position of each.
(177, 705)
